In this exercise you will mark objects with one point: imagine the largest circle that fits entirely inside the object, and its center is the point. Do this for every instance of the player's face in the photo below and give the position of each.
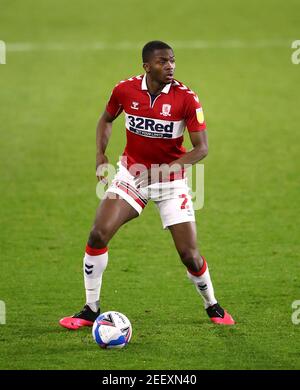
(161, 66)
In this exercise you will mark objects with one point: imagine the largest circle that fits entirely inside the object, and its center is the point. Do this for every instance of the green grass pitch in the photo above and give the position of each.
(63, 58)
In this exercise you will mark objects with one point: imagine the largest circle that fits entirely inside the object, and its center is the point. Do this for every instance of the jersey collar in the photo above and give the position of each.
(165, 89)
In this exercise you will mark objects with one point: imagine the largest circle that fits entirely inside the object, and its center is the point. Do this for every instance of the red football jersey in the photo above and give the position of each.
(155, 129)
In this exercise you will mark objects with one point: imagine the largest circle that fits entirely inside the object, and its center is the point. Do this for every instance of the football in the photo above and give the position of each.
(112, 330)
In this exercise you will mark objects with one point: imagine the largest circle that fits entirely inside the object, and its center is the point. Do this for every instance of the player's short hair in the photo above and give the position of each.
(149, 48)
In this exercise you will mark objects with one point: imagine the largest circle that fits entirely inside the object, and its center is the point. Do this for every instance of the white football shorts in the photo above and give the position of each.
(172, 198)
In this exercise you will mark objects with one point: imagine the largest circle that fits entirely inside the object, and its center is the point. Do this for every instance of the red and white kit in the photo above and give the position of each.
(154, 131)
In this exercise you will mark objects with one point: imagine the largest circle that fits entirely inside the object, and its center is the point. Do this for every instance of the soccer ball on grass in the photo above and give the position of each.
(112, 330)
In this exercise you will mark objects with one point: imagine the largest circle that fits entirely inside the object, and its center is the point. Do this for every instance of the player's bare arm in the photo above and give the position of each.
(103, 133)
(199, 151)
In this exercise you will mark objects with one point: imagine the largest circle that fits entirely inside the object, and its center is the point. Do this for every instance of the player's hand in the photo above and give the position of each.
(101, 168)
(153, 175)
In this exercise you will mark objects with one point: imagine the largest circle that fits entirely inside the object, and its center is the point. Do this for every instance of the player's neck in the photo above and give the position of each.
(154, 87)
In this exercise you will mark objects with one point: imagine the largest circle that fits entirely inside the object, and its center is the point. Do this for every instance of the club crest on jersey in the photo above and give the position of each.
(165, 110)
(135, 105)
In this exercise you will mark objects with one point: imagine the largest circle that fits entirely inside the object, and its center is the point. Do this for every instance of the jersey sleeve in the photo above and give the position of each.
(114, 106)
(194, 117)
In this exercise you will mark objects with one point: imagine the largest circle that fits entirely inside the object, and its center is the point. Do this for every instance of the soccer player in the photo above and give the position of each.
(157, 109)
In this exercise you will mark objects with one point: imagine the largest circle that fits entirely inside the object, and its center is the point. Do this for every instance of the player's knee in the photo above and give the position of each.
(98, 237)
